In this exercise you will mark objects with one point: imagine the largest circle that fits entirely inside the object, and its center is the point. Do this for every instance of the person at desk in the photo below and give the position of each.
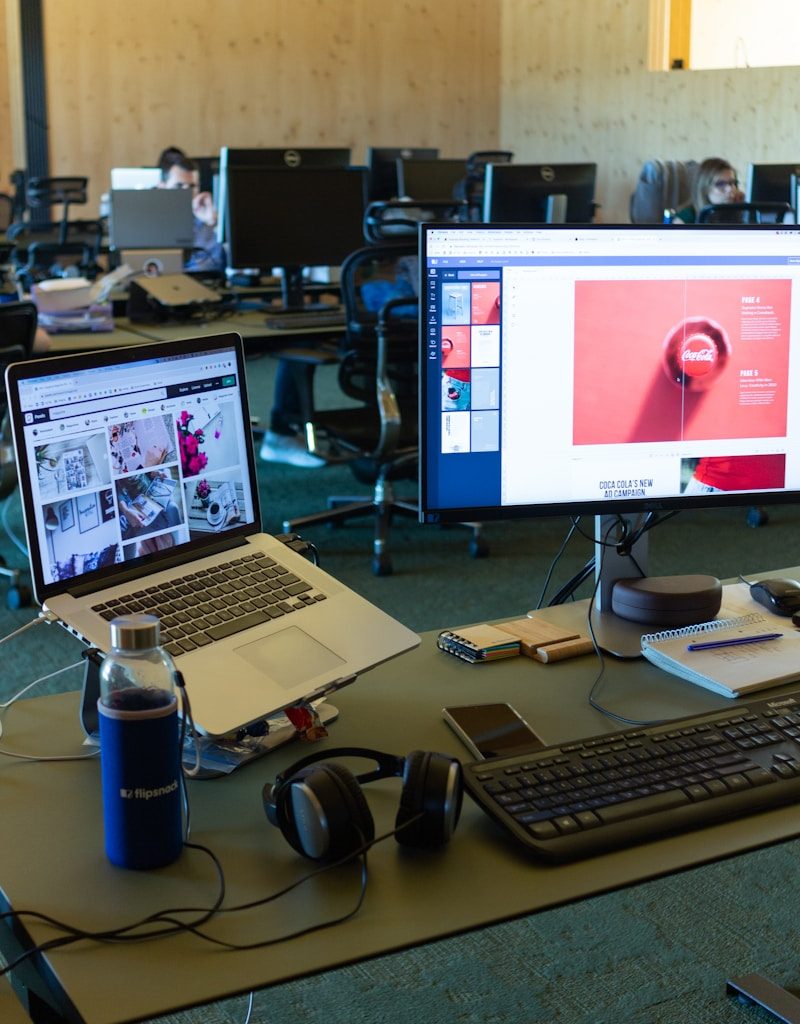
(716, 184)
(181, 172)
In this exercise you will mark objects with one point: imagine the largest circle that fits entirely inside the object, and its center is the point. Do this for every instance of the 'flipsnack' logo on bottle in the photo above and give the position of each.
(148, 794)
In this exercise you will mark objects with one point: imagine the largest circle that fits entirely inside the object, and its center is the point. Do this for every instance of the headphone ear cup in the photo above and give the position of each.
(322, 812)
(432, 793)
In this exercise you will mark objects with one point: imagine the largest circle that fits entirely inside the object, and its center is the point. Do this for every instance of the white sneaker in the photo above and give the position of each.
(289, 449)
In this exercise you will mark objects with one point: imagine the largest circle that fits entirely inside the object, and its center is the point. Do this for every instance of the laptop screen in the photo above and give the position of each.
(125, 456)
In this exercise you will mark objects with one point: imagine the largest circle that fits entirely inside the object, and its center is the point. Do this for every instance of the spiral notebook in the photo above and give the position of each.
(738, 662)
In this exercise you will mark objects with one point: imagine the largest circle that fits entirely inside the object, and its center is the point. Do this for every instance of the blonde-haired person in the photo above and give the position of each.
(716, 184)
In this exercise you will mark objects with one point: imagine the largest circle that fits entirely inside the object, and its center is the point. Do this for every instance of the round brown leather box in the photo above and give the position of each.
(667, 600)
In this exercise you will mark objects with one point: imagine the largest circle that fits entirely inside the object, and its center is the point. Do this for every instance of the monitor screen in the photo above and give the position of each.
(135, 177)
(771, 183)
(606, 369)
(207, 172)
(429, 179)
(382, 164)
(304, 217)
(519, 193)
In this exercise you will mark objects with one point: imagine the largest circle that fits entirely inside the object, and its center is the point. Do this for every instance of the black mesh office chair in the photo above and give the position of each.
(17, 332)
(746, 213)
(48, 192)
(378, 372)
(37, 250)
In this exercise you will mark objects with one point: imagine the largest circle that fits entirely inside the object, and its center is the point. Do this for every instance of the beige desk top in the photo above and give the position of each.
(52, 811)
(250, 324)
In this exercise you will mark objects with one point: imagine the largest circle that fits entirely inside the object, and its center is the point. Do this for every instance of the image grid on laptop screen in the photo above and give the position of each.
(123, 461)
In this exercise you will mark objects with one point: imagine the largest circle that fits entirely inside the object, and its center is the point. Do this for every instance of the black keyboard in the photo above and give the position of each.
(300, 321)
(201, 607)
(577, 799)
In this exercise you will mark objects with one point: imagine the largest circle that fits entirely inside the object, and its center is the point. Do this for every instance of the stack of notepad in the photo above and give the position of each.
(534, 637)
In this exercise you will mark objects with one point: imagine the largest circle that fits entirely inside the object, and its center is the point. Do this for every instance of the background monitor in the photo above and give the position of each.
(619, 370)
(153, 218)
(526, 193)
(135, 177)
(429, 179)
(382, 164)
(771, 183)
(230, 156)
(207, 173)
(293, 218)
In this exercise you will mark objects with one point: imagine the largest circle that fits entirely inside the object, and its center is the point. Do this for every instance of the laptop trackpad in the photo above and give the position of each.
(289, 657)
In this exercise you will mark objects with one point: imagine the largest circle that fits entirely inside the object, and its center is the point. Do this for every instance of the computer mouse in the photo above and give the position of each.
(781, 597)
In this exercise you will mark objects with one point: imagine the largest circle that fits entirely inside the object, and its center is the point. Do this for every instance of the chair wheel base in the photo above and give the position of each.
(382, 565)
(757, 517)
(478, 548)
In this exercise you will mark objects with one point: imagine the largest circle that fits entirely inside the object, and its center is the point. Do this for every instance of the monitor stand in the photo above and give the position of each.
(293, 293)
(615, 636)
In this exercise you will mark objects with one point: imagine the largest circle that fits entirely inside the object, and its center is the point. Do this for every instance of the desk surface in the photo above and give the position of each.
(53, 813)
(251, 324)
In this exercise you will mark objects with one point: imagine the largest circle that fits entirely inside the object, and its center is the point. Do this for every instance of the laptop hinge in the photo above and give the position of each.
(124, 576)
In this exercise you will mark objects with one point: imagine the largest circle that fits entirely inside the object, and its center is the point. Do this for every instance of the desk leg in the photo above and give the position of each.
(44, 1000)
(753, 988)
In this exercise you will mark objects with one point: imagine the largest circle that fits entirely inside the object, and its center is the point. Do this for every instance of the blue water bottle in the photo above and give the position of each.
(139, 757)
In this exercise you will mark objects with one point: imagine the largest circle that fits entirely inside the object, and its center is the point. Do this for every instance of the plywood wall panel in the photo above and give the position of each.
(575, 85)
(127, 78)
(6, 61)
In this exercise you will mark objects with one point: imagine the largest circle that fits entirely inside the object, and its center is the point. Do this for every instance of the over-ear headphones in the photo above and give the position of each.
(321, 809)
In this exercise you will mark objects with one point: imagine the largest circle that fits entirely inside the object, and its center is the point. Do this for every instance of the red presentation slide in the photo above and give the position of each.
(455, 345)
(486, 302)
(671, 360)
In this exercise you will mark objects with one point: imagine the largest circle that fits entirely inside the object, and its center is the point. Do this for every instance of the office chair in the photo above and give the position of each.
(471, 188)
(746, 213)
(38, 253)
(47, 192)
(663, 186)
(17, 332)
(6, 211)
(378, 371)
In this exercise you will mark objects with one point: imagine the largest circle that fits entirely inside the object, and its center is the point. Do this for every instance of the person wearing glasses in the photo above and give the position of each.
(180, 171)
(716, 184)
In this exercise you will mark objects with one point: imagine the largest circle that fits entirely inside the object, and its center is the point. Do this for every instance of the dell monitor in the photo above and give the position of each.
(430, 179)
(382, 164)
(292, 218)
(539, 193)
(631, 370)
(771, 183)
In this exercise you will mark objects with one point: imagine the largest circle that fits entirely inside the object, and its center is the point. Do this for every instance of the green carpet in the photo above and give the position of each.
(657, 953)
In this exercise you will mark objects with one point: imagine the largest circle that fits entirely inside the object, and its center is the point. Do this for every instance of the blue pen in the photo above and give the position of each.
(711, 644)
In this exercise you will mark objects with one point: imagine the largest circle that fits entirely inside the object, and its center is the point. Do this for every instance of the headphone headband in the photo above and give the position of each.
(389, 765)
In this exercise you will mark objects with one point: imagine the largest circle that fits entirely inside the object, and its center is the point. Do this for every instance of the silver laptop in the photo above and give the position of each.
(151, 218)
(139, 490)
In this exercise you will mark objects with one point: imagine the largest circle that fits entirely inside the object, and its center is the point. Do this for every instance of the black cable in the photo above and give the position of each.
(173, 926)
(593, 702)
(554, 563)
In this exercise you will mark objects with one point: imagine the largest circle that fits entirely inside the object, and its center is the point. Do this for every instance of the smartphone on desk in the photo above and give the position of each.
(491, 730)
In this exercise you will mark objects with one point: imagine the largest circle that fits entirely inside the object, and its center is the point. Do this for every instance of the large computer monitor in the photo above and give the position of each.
(231, 156)
(609, 370)
(382, 164)
(429, 179)
(771, 183)
(539, 193)
(135, 177)
(292, 218)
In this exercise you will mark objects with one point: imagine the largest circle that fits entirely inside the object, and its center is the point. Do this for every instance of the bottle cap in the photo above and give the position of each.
(135, 632)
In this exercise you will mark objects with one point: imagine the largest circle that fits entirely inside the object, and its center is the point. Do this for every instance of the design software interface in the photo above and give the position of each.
(566, 365)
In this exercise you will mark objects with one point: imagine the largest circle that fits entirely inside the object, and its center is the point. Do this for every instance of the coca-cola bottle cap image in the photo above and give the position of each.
(696, 351)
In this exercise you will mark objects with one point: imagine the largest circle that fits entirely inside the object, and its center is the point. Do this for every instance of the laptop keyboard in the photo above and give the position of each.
(201, 607)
